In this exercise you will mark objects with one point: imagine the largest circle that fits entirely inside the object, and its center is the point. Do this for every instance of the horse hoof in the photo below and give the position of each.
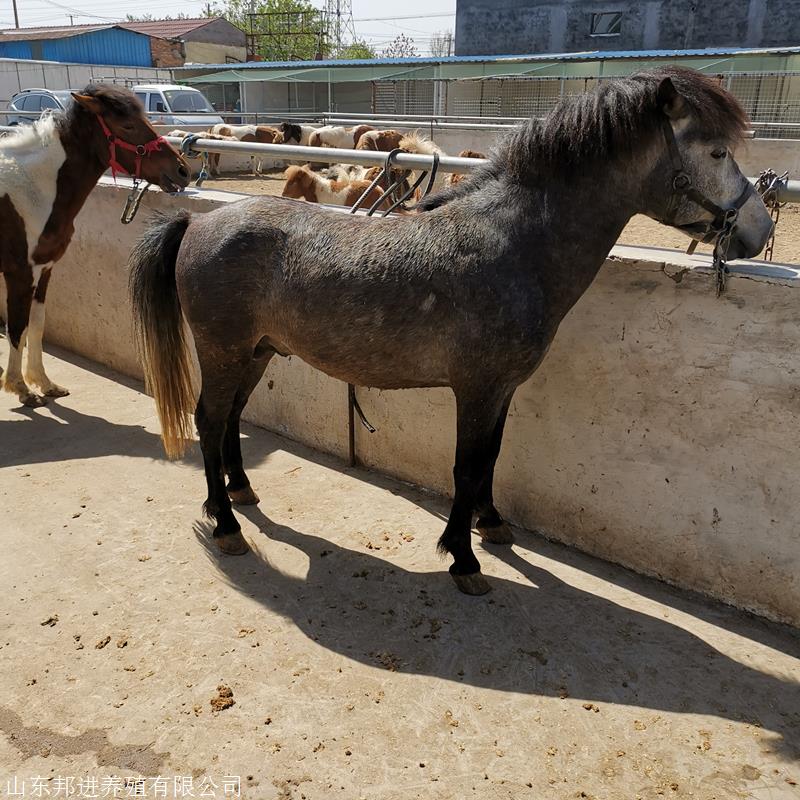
(32, 400)
(497, 534)
(474, 584)
(244, 497)
(56, 391)
(232, 544)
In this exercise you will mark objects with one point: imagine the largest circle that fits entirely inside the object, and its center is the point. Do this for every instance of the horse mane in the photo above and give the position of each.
(417, 143)
(617, 118)
(30, 137)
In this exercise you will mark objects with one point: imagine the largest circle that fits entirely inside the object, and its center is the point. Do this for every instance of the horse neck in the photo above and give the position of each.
(568, 225)
(78, 174)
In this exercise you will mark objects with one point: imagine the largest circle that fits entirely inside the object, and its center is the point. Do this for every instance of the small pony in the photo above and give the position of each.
(303, 183)
(338, 136)
(263, 134)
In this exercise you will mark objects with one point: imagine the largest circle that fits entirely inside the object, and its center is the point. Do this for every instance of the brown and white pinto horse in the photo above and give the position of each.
(338, 136)
(46, 173)
(263, 134)
(303, 183)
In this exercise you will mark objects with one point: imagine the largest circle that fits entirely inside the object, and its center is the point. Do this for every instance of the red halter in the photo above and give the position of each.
(141, 151)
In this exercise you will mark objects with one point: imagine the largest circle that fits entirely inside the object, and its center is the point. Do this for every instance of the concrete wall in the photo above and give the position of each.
(662, 431)
(496, 27)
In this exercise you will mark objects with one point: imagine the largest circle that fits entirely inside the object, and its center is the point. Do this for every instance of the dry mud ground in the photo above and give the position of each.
(354, 667)
(639, 231)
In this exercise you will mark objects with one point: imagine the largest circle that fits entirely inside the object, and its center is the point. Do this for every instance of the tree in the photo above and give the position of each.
(400, 47)
(285, 30)
(358, 49)
(442, 44)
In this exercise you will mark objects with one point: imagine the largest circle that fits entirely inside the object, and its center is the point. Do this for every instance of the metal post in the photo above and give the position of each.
(16, 15)
(351, 424)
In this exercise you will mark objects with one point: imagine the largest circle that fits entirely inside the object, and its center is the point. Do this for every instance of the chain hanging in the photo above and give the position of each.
(768, 184)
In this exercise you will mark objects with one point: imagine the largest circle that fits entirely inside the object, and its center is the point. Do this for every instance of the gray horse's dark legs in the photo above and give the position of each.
(477, 424)
(490, 524)
(213, 409)
(239, 489)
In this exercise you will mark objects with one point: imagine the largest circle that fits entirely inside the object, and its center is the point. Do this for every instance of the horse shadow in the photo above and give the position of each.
(542, 636)
(65, 434)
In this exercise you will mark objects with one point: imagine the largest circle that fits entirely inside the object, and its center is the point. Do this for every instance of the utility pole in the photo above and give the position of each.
(16, 15)
(71, 19)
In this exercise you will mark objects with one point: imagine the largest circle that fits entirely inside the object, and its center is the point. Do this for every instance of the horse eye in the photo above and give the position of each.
(720, 152)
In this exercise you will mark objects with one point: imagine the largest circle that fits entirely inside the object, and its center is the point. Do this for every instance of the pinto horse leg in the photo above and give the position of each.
(19, 287)
(34, 372)
(490, 525)
(239, 489)
(477, 422)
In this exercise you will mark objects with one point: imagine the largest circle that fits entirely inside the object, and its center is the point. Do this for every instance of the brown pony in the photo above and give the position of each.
(454, 177)
(46, 173)
(381, 141)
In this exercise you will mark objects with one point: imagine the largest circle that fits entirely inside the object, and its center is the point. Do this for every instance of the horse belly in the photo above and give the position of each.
(362, 342)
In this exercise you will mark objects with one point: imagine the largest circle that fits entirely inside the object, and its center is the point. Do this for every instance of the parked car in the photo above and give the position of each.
(170, 104)
(36, 101)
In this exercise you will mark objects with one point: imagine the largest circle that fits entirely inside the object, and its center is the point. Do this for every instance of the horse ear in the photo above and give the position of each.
(88, 102)
(670, 100)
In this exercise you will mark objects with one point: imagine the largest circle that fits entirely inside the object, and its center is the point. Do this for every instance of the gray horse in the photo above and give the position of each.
(468, 294)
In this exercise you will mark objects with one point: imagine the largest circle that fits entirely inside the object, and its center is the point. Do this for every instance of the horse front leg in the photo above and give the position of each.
(19, 286)
(477, 418)
(490, 525)
(34, 372)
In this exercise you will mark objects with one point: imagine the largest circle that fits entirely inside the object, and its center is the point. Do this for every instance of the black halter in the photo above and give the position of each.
(720, 228)
(724, 218)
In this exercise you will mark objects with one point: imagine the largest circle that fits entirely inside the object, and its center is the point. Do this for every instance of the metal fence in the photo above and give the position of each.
(772, 100)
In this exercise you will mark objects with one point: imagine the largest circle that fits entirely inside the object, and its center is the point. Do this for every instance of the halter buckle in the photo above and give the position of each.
(681, 182)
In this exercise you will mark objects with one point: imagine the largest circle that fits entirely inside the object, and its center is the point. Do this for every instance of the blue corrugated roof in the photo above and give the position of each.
(591, 55)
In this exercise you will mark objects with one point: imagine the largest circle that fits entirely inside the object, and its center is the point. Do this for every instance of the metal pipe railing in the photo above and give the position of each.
(788, 191)
(331, 155)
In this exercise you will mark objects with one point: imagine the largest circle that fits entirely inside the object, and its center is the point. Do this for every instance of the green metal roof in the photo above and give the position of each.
(575, 65)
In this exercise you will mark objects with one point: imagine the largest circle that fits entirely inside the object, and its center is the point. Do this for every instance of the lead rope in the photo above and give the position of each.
(134, 199)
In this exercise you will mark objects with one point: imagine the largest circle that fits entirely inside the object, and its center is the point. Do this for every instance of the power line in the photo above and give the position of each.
(408, 16)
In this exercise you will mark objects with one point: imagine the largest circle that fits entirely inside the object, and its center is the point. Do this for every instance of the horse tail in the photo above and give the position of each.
(158, 327)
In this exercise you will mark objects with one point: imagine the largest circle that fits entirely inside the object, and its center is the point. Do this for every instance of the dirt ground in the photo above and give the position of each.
(639, 231)
(337, 660)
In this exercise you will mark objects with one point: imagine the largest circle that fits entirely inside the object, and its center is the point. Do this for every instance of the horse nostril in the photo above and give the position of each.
(183, 171)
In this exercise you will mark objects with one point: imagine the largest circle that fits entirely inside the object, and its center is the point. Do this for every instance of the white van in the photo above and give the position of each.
(170, 104)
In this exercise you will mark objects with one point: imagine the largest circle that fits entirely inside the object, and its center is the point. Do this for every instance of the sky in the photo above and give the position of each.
(425, 16)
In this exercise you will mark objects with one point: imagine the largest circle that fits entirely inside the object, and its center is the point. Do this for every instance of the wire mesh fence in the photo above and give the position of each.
(772, 100)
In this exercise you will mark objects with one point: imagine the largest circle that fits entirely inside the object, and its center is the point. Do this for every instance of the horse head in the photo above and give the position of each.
(124, 139)
(705, 195)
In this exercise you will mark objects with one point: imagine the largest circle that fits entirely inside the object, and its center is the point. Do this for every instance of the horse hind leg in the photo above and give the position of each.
(221, 377)
(18, 302)
(477, 422)
(34, 372)
(239, 489)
